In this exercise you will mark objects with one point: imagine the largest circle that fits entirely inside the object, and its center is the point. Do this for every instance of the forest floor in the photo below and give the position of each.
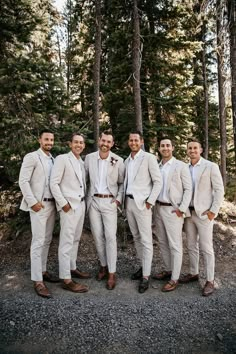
(122, 320)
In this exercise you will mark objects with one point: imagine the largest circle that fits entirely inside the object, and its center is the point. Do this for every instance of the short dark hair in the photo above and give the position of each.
(194, 140)
(166, 138)
(135, 131)
(106, 132)
(45, 130)
(70, 138)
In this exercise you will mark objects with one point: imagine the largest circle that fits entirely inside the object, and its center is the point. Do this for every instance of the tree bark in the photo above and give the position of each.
(206, 95)
(221, 83)
(96, 73)
(68, 50)
(136, 65)
(232, 33)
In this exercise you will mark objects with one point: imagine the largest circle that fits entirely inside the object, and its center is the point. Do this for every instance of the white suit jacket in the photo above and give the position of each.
(209, 189)
(33, 179)
(179, 186)
(67, 183)
(115, 176)
(147, 181)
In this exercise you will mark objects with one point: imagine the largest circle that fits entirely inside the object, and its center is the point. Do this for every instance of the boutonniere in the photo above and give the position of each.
(113, 161)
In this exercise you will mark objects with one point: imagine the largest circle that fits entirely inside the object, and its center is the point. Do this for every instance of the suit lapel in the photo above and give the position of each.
(95, 169)
(109, 167)
(75, 165)
(138, 164)
(42, 160)
(200, 172)
(172, 169)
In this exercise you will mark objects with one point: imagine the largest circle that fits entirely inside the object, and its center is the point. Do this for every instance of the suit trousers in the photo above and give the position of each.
(200, 233)
(169, 232)
(103, 222)
(71, 229)
(140, 223)
(42, 225)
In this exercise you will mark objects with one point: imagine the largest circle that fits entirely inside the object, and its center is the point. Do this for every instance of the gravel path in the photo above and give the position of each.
(118, 321)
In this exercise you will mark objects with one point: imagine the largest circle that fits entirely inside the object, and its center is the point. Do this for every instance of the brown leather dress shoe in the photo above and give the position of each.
(111, 283)
(170, 286)
(208, 288)
(162, 275)
(75, 287)
(78, 274)
(102, 274)
(188, 278)
(42, 290)
(50, 278)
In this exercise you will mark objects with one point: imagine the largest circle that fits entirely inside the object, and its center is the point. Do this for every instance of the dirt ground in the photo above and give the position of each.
(199, 325)
(15, 260)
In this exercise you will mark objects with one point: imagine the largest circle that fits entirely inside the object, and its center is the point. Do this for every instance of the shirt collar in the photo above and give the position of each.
(108, 157)
(197, 164)
(45, 155)
(167, 163)
(136, 155)
(74, 157)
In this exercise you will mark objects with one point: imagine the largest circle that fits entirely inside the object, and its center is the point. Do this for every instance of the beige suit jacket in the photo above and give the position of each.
(115, 176)
(179, 186)
(147, 181)
(209, 189)
(33, 179)
(67, 183)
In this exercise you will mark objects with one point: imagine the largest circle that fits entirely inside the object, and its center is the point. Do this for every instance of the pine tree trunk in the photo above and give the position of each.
(136, 64)
(232, 32)
(206, 96)
(96, 73)
(68, 50)
(221, 83)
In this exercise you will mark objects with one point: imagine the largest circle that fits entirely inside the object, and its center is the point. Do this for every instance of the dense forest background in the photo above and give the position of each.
(164, 67)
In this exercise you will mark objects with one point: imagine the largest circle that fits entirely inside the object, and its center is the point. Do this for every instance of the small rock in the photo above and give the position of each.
(219, 336)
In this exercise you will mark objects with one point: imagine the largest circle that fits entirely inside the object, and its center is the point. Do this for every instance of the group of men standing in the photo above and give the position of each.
(175, 193)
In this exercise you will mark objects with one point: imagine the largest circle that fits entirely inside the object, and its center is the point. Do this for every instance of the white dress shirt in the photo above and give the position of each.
(194, 171)
(165, 170)
(101, 183)
(131, 166)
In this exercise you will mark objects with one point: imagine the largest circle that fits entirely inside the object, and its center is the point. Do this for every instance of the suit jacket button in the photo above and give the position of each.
(79, 195)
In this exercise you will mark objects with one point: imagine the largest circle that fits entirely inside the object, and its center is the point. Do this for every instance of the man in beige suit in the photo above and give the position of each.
(171, 207)
(38, 200)
(208, 194)
(68, 188)
(105, 174)
(142, 185)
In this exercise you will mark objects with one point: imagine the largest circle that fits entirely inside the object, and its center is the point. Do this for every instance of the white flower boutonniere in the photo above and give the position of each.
(113, 161)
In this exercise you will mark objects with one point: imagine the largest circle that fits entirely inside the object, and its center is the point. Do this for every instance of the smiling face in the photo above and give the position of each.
(77, 145)
(105, 143)
(46, 142)
(194, 151)
(166, 149)
(135, 143)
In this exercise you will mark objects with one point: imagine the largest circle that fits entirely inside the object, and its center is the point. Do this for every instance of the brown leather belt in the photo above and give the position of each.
(129, 196)
(163, 204)
(48, 199)
(103, 195)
